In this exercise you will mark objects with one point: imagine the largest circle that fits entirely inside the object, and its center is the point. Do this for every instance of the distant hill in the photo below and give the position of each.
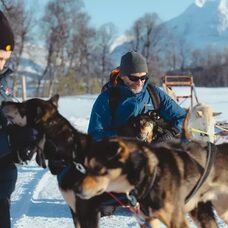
(32, 62)
(200, 25)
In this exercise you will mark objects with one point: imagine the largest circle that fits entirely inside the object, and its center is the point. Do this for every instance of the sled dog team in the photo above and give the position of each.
(160, 175)
(166, 178)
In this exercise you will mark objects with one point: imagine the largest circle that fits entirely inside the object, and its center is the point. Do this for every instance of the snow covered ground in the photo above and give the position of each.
(37, 203)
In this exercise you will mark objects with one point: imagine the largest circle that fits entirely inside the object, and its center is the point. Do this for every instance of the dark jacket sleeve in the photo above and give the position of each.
(170, 110)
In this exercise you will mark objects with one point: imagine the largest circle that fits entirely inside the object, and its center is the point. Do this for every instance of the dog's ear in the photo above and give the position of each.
(110, 149)
(217, 113)
(113, 150)
(199, 114)
(55, 100)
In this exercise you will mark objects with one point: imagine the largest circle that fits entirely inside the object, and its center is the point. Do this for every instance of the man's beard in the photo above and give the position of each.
(138, 90)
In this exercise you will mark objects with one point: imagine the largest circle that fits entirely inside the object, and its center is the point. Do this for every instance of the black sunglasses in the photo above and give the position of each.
(135, 78)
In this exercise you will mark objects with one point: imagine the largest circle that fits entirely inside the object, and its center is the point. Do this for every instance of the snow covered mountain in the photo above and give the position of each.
(32, 61)
(204, 23)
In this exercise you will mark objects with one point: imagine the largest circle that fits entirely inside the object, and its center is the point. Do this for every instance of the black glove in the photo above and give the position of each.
(22, 141)
(168, 134)
(175, 131)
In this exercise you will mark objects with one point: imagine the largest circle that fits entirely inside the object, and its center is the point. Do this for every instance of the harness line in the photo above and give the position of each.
(222, 128)
(136, 211)
(204, 132)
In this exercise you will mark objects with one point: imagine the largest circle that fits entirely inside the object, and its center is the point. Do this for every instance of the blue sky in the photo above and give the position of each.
(123, 13)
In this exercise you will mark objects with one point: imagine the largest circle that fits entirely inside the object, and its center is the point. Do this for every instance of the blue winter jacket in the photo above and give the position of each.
(102, 125)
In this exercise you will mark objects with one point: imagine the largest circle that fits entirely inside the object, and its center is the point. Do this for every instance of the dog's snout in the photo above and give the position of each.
(203, 135)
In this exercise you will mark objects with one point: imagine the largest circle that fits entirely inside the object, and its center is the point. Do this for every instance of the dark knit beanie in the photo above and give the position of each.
(6, 34)
(132, 62)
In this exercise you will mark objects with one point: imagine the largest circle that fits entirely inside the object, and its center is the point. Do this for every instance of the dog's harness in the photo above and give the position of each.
(135, 206)
(134, 209)
(211, 155)
(148, 186)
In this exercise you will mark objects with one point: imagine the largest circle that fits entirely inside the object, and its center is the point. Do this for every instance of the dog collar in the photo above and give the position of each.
(81, 168)
(148, 187)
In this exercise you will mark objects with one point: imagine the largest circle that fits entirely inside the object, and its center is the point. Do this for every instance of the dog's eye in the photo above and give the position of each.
(103, 171)
(100, 170)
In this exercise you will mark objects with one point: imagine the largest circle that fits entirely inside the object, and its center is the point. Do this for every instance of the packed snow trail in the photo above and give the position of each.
(28, 179)
(36, 202)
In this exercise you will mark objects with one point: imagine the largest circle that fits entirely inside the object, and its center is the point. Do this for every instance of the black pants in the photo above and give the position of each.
(8, 177)
(5, 213)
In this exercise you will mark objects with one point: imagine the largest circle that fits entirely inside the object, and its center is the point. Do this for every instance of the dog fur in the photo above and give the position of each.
(202, 117)
(141, 127)
(63, 147)
(70, 145)
(147, 127)
(123, 165)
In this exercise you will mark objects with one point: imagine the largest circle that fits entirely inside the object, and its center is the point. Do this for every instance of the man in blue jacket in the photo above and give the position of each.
(131, 87)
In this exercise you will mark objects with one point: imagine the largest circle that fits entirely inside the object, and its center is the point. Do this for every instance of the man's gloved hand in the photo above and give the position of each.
(175, 131)
(22, 141)
(168, 134)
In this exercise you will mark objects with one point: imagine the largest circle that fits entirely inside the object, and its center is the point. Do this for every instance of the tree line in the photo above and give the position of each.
(78, 57)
